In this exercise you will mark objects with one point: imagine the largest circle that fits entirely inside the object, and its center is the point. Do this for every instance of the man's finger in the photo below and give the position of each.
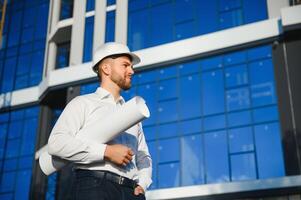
(130, 152)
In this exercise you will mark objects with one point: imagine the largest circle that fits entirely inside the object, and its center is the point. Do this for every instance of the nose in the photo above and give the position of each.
(131, 71)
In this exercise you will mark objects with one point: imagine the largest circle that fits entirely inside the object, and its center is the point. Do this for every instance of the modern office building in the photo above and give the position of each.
(222, 79)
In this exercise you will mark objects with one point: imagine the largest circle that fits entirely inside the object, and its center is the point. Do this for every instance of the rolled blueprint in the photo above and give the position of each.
(126, 116)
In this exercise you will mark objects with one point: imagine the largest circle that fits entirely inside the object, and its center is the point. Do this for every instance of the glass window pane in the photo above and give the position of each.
(16, 17)
(235, 58)
(189, 68)
(207, 15)
(254, 10)
(29, 17)
(24, 63)
(190, 126)
(225, 5)
(32, 111)
(243, 167)
(217, 170)
(168, 72)
(262, 83)
(269, 151)
(88, 40)
(15, 129)
(12, 148)
(167, 130)
(27, 35)
(214, 122)
(169, 175)
(241, 140)
(7, 181)
(25, 162)
(42, 21)
(167, 111)
(66, 9)
(161, 19)
(167, 89)
(17, 115)
(150, 132)
(213, 87)
(236, 76)
(239, 118)
(265, 114)
(190, 96)
(62, 57)
(192, 160)
(7, 196)
(259, 52)
(231, 19)
(8, 75)
(185, 8)
(10, 164)
(28, 140)
(23, 184)
(110, 27)
(148, 76)
(111, 2)
(185, 30)
(169, 150)
(21, 82)
(90, 5)
(211, 63)
(138, 28)
(238, 99)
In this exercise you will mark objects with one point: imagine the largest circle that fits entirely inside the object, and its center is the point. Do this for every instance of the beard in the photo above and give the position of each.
(121, 82)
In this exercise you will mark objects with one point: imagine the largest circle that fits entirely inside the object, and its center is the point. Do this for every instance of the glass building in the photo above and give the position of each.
(221, 79)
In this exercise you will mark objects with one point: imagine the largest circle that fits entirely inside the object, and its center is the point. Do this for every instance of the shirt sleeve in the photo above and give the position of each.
(144, 161)
(62, 141)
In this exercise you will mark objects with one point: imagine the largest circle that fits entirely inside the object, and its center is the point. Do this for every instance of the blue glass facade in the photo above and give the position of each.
(23, 44)
(152, 23)
(17, 140)
(213, 119)
(217, 116)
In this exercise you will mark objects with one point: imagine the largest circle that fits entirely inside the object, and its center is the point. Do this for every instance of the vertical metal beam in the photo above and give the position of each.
(121, 21)
(274, 7)
(50, 53)
(286, 58)
(78, 31)
(99, 23)
(39, 180)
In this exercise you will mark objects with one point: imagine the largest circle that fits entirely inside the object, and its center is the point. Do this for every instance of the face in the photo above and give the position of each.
(121, 72)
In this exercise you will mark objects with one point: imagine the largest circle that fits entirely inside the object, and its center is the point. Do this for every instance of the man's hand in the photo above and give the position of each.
(118, 154)
(138, 190)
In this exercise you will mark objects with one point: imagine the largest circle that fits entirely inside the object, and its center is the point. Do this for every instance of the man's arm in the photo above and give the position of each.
(62, 141)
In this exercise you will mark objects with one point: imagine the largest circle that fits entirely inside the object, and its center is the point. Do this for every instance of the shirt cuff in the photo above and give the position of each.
(97, 151)
(144, 183)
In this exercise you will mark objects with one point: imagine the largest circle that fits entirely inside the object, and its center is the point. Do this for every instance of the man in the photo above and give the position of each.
(120, 169)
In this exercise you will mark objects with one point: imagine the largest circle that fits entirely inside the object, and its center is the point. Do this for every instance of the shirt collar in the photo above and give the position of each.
(103, 94)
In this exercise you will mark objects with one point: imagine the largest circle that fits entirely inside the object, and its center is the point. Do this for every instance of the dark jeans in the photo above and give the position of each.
(95, 188)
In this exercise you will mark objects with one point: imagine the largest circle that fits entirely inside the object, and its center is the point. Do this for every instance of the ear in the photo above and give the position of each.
(105, 68)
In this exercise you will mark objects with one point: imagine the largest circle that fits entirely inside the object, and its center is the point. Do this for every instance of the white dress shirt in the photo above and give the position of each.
(88, 109)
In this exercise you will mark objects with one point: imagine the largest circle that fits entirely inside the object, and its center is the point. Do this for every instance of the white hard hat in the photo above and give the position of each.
(111, 49)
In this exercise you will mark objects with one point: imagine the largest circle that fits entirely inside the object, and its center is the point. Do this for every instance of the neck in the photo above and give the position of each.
(112, 88)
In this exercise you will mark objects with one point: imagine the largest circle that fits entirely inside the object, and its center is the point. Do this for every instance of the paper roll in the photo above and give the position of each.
(126, 116)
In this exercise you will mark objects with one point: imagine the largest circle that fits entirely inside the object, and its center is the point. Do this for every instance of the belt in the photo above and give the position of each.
(112, 177)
